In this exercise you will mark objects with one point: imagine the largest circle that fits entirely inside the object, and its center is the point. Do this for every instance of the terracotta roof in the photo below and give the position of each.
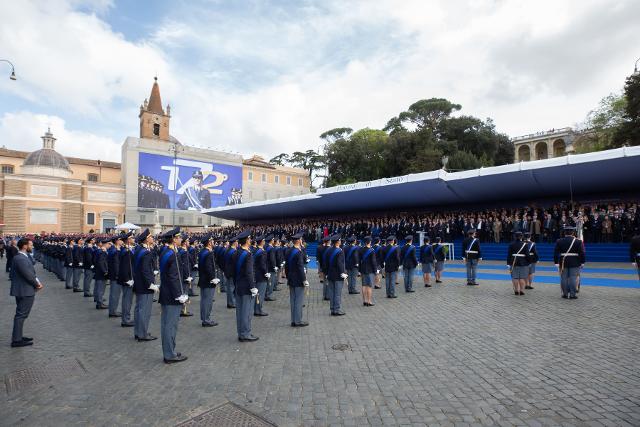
(258, 161)
(72, 160)
(155, 103)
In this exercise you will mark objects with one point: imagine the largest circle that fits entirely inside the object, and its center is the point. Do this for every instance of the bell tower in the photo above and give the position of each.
(154, 121)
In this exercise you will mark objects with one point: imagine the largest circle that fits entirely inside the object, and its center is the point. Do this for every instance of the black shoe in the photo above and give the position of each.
(269, 299)
(377, 287)
(231, 306)
(293, 324)
(27, 339)
(127, 324)
(521, 293)
(301, 324)
(338, 313)
(393, 296)
(438, 281)
(354, 293)
(573, 297)
(102, 307)
(248, 339)
(260, 314)
(115, 315)
(365, 304)
(371, 304)
(426, 285)
(179, 358)
(209, 325)
(528, 287)
(516, 292)
(88, 295)
(410, 290)
(326, 299)
(187, 314)
(147, 338)
(194, 295)
(564, 296)
(77, 290)
(22, 343)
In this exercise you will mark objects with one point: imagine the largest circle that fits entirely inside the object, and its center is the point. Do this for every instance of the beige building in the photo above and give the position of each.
(45, 192)
(544, 145)
(263, 181)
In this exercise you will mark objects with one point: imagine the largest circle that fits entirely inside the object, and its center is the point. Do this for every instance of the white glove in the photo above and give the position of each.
(130, 282)
(189, 279)
(80, 264)
(283, 263)
(70, 265)
(195, 265)
(254, 292)
(92, 266)
(275, 269)
(357, 265)
(154, 287)
(182, 298)
(307, 260)
(377, 271)
(267, 275)
(155, 272)
(344, 275)
(305, 283)
(215, 281)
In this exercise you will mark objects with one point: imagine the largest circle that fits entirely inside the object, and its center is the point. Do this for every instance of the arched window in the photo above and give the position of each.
(559, 148)
(542, 151)
(524, 153)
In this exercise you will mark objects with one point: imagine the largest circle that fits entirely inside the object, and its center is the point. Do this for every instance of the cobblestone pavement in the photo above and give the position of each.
(449, 355)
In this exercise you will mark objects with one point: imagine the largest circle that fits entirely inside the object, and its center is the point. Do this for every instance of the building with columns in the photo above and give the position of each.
(545, 145)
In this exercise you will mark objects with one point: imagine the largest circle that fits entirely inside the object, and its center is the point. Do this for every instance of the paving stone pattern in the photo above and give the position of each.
(449, 355)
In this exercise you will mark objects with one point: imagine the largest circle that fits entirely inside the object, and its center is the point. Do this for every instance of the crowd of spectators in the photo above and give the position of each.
(595, 223)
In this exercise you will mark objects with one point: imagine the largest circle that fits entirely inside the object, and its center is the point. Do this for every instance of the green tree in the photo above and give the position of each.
(602, 125)
(629, 131)
(425, 114)
(356, 158)
(281, 159)
(309, 160)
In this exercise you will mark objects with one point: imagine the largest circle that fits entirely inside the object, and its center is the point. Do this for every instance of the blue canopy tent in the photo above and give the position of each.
(608, 172)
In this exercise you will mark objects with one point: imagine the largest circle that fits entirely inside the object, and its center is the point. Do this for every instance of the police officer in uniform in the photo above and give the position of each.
(78, 262)
(207, 281)
(68, 264)
(569, 257)
(172, 296)
(87, 257)
(391, 261)
(533, 259)
(472, 254)
(409, 263)
(115, 288)
(440, 255)
(368, 270)
(262, 275)
(229, 268)
(518, 263)
(336, 274)
(144, 285)
(296, 280)
(100, 273)
(426, 259)
(272, 267)
(125, 278)
(351, 259)
(245, 287)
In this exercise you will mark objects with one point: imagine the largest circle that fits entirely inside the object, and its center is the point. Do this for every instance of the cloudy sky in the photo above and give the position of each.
(265, 77)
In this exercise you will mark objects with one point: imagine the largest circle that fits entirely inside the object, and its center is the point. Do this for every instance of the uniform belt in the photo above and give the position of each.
(569, 254)
(519, 255)
(471, 252)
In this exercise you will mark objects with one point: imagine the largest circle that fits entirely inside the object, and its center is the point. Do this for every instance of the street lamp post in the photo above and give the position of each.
(12, 76)
(174, 148)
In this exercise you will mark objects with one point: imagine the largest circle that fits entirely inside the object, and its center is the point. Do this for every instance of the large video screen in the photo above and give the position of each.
(189, 184)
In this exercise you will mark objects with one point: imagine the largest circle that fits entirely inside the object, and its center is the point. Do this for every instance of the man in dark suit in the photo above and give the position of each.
(24, 285)
(297, 280)
(12, 251)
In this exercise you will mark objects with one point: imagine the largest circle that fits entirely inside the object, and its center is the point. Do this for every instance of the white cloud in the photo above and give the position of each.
(22, 131)
(271, 79)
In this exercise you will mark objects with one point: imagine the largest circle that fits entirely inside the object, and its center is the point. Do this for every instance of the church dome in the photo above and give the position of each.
(46, 157)
(46, 161)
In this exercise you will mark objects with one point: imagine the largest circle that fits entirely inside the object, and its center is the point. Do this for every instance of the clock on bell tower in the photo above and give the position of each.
(154, 122)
